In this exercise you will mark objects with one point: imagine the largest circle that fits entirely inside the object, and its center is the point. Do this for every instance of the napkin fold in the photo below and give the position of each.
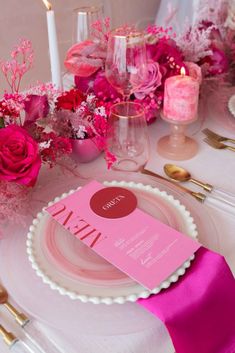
(199, 310)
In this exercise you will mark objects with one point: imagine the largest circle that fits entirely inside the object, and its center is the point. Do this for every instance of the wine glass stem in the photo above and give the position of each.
(126, 97)
(126, 94)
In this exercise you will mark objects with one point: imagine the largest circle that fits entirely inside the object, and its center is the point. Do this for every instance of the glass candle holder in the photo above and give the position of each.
(127, 136)
(177, 146)
(179, 110)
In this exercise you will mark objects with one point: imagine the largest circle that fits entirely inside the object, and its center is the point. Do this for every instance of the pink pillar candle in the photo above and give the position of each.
(181, 98)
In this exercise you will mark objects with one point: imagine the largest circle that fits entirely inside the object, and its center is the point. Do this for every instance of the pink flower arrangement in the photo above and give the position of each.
(24, 143)
(81, 116)
(200, 49)
(26, 138)
(165, 59)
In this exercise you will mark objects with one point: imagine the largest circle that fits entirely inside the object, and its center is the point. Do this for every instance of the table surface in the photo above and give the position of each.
(216, 167)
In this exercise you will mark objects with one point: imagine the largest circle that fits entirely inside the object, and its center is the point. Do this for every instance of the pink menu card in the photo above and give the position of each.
(108, 220)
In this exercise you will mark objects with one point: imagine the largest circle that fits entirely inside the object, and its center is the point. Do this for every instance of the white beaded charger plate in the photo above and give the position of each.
(71, 268)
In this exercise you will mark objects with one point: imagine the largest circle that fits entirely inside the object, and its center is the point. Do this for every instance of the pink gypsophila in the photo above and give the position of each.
(21, 61)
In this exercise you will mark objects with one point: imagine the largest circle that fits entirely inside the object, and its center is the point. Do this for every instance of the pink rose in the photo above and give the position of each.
(194, 71)
(153, 80)
(19, 158)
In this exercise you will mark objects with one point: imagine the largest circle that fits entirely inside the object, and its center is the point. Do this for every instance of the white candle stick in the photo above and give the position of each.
(53, 46)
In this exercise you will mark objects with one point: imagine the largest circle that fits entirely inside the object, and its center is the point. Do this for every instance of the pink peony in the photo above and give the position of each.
(19, 158)
(153, 80)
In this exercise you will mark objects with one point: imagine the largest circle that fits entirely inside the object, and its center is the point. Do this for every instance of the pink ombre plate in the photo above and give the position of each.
(73, 269)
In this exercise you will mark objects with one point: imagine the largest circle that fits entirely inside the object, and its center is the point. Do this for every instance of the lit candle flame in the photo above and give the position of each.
(47, 4)
(182, 71)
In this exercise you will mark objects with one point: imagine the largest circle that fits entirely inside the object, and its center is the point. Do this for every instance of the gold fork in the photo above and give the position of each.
(218, 145)
(217, 137)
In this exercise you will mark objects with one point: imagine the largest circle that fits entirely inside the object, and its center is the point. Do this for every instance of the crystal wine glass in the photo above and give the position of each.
(127, 136)
(126, 62)
(83, 18)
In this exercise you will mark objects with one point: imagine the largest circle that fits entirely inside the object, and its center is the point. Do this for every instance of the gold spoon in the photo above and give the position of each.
(182, 175)
(208, 200)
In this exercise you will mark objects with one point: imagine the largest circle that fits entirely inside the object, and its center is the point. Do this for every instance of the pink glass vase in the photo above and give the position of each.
(86, 150)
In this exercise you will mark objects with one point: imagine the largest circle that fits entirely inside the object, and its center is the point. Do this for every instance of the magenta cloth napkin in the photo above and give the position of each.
(199, 310)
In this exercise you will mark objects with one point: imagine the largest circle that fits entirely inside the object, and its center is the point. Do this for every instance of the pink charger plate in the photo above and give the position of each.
(77, 261)
(61, 312)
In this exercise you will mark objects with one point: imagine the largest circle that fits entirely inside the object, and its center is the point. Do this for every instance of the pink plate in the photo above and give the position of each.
(74, 270)
(76, 260)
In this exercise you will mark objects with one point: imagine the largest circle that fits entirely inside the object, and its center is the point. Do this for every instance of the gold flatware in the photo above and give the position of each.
(40, 341)
(216, 136)
(208, 200)
(20, 318)
(197, 195)
(14, 343)
(8, 337)
(218, 145)
(180, 174)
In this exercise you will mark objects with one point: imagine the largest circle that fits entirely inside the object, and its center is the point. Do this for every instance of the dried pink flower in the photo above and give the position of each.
(21, 61)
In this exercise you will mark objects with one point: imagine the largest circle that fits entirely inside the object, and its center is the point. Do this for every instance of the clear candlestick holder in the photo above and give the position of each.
(177, 146)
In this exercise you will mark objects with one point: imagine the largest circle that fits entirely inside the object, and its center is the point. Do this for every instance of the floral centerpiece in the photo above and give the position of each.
(38, 127)
(83, 119)
(42, 125)
(205, 44)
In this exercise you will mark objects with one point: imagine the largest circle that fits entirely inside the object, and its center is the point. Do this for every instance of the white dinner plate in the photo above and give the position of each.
(74, 270)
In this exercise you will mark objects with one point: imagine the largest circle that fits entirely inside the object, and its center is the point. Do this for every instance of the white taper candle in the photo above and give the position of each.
(53, 47)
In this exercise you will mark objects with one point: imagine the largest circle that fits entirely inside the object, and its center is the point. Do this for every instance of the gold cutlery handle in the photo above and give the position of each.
(20, 318)
(230, 140)
(231, 148)
(8, 337)
(198, 196)
(205, 186)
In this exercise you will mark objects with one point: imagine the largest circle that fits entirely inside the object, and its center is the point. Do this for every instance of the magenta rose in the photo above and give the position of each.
(152, 81)
(19, 158)
(103, 89)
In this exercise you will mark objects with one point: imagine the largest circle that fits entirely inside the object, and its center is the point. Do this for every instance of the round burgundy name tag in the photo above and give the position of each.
(113, 202)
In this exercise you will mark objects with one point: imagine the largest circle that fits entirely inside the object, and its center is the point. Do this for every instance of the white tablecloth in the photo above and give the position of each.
(213, 166)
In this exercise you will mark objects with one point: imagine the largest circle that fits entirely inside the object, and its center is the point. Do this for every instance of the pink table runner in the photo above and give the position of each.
(199, 310)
